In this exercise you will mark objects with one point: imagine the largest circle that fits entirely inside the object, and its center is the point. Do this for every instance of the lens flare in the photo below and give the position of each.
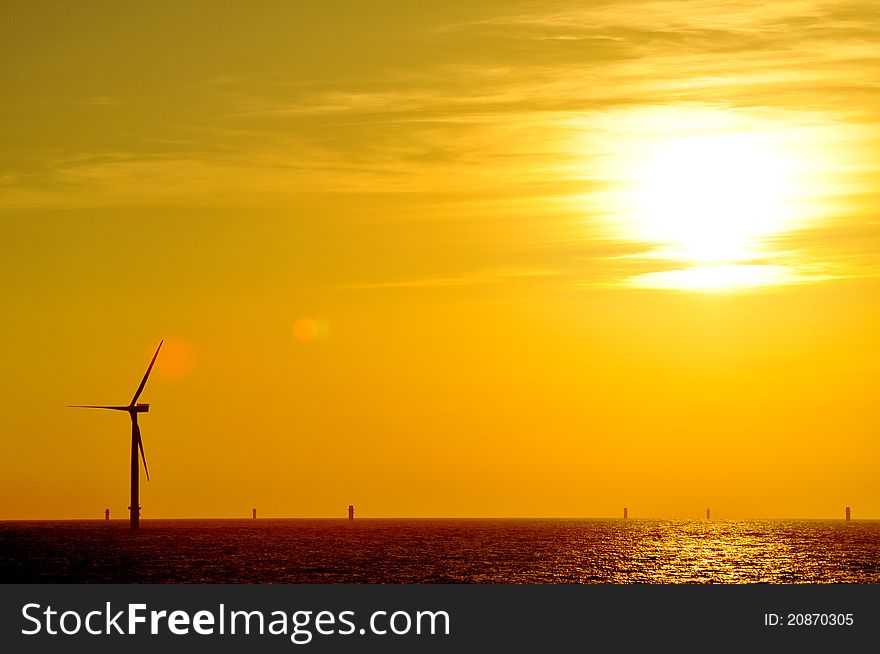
(307, 330)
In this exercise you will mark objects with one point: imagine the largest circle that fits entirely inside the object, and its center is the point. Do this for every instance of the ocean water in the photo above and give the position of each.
(441, 551)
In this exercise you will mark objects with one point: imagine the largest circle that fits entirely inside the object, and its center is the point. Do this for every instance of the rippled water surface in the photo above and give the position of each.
(440, 551)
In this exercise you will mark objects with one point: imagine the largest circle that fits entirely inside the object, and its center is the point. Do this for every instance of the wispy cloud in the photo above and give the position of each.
(475, 279)
(100, 101)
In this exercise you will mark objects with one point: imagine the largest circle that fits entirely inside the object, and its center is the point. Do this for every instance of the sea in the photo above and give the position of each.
(422, 551)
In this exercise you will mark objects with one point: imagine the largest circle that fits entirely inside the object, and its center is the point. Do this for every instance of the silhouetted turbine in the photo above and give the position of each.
(136, 443)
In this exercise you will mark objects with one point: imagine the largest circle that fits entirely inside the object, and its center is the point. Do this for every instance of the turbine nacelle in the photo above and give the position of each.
(140, 408)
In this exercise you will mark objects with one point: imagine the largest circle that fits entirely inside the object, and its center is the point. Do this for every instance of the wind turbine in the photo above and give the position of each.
(133, 410)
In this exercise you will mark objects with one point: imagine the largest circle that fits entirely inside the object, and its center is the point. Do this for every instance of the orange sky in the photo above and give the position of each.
(490, 259)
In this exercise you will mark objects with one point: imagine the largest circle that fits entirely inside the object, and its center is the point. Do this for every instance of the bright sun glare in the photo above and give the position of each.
(708, 192)
(711, 199)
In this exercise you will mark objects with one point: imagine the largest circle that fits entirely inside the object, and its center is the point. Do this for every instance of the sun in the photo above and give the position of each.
(709, 194)
(711, 199)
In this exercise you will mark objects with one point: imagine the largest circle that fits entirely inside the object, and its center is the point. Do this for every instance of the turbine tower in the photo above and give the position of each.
(133, 410)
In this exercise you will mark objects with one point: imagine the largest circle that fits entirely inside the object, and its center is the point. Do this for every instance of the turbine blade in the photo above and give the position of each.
(94, 406)
(137, 435)
(140, 389)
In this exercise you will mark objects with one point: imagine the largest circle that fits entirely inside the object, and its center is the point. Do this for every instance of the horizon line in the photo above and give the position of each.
(346, 519)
